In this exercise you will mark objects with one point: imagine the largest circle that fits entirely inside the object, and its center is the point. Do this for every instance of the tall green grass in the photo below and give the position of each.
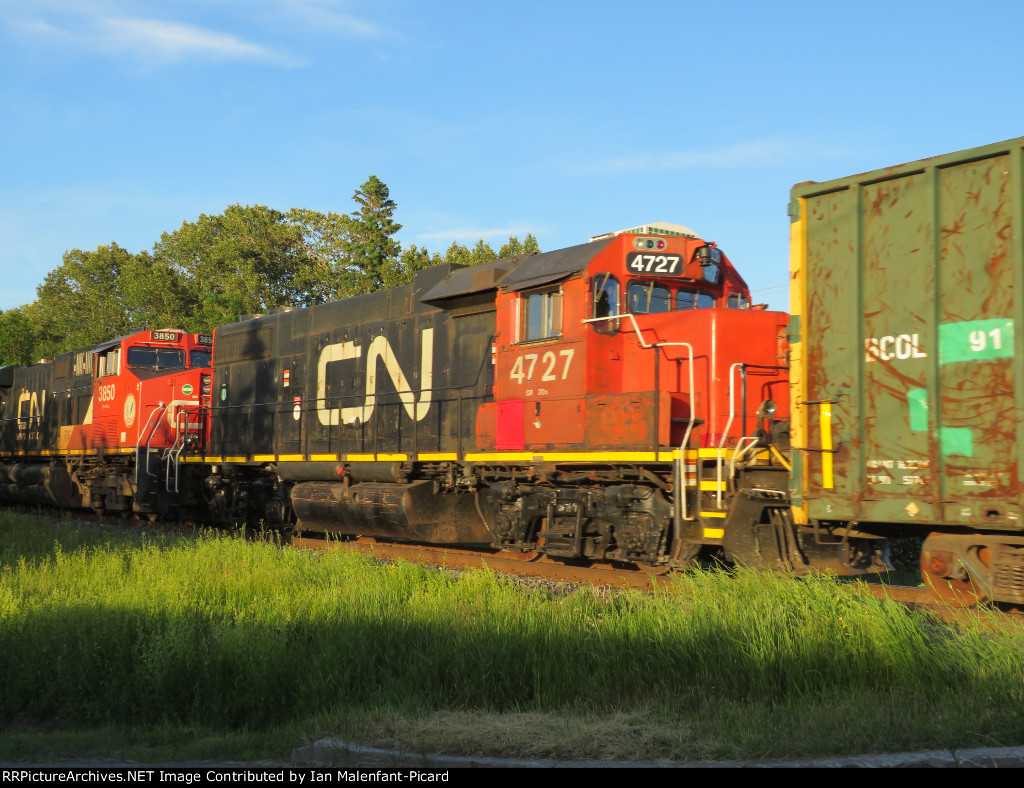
(221, 632)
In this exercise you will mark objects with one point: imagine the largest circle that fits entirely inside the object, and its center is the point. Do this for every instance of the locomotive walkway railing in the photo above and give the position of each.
(679, 478)
(187, 431)
(151, 423)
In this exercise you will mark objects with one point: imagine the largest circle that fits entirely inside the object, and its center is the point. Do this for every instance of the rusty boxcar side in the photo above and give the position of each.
(908, 395)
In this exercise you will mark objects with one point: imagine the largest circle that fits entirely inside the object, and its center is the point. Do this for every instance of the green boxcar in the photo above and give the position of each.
(908, 394)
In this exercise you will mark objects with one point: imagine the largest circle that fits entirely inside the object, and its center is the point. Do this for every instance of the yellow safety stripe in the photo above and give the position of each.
(65, 452)
(827, 480)
(505, 456)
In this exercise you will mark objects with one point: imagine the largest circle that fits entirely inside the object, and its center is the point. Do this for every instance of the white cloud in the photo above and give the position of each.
(200, 29)
(321, 15)
(97, 27)
(153, 38)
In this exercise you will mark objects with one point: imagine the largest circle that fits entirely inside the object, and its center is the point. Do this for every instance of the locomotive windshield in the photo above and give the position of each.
(156, 357)
(694, 299)
(647, 297)
(199, 358)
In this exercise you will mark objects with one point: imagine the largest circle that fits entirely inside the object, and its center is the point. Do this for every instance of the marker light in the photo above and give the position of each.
(650, 243)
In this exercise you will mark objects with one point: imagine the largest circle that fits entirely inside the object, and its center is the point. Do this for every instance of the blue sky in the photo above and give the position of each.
(122, 119)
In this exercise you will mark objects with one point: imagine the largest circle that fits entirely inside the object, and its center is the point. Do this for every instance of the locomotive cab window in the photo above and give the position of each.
(738, 301)
(541, 316)
(199, 358)
(156, 357)
(647, 297)
(605, 303)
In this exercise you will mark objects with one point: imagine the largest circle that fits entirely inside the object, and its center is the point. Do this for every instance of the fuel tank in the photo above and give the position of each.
(416, 511)
(38, 484)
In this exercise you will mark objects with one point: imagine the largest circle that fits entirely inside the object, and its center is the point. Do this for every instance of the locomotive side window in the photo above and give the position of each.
(694, 299)
(156, 357)
(738, 301)
(542, 314)
(648, 297)
(108, 363)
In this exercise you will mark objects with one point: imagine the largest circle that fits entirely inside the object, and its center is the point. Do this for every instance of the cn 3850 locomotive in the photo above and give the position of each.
(615, 401)
(104, 427)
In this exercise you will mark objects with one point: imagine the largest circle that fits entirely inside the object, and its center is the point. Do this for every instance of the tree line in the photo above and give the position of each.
(247, 260)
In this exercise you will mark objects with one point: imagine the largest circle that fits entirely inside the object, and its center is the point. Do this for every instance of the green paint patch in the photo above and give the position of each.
(917, 400)
(953, 440)
(957, 440)
(976, 340)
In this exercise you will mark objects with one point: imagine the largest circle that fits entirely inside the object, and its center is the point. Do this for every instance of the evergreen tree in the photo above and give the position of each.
(371, 248)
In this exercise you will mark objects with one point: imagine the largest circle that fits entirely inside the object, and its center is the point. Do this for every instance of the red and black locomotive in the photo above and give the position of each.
(104, 427)
(619, 400)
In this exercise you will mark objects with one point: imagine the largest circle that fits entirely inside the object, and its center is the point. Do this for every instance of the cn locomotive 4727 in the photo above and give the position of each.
(620, 400)
(615, 401)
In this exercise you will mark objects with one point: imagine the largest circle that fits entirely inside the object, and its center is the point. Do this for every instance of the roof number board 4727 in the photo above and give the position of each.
(647, 264)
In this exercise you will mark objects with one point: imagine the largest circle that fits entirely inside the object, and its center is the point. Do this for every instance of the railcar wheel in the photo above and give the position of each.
(952, 591)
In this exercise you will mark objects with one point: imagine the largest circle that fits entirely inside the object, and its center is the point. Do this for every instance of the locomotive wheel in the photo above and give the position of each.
(951, 591)
(686, 552)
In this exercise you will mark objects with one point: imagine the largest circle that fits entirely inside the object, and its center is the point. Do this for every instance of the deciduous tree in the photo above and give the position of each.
(81, 302)
(327, 273)
(17, 338)
(514, 246)
(247, 260)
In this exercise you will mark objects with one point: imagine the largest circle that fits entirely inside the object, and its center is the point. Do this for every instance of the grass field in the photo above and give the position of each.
(160, 647)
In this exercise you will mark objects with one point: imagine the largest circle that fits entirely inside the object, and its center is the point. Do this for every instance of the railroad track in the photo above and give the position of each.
(628, 576)
(523, 564)
(535, 565)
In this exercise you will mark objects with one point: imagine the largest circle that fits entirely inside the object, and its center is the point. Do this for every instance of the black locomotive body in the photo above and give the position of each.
(323, 411)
